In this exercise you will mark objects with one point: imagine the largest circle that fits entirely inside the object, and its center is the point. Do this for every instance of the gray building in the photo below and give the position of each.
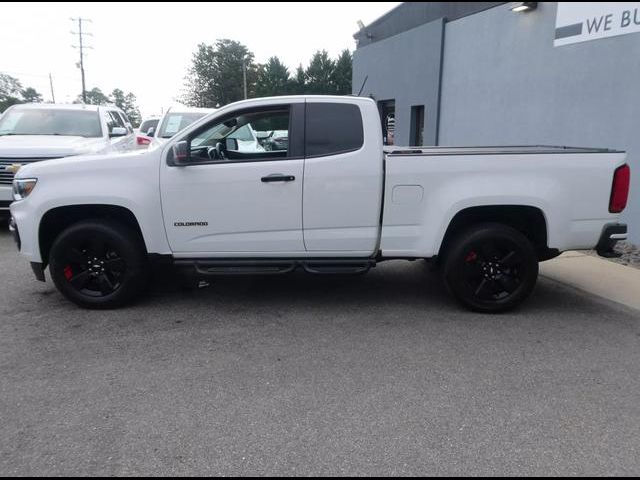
(496, 73)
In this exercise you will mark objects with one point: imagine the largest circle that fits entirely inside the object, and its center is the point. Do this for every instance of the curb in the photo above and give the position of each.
(595, 276)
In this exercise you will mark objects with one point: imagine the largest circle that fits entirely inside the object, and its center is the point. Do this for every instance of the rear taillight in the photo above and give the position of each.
(620, 189)
(143, 140)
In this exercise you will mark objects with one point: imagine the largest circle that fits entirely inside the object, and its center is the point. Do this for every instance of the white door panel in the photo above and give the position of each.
(232, 209)
(341, 203)
(342, 191)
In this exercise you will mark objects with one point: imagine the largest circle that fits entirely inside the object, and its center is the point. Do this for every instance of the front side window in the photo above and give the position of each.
(247, 135)
(332, 128)
(51, 122)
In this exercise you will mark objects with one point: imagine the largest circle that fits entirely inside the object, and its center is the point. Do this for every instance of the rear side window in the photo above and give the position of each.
(333, 128)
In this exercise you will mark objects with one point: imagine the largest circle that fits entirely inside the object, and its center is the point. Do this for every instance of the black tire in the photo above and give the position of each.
(490, 268)
(98, 264)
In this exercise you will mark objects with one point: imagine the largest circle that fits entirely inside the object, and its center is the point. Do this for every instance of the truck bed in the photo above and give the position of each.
(570, 186)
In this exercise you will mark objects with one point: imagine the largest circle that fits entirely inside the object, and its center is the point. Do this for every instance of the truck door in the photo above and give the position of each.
(234, 201)
(343, 176)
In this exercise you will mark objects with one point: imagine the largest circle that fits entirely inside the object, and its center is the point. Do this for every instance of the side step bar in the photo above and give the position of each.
(221, 267)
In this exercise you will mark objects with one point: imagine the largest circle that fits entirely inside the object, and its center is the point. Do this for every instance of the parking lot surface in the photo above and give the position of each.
(301, 375)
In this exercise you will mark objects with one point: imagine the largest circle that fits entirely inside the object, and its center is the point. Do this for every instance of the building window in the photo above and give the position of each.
(417, 125)
(388, 116)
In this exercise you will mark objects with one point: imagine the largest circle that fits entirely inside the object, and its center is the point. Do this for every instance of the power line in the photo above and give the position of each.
(82, 47)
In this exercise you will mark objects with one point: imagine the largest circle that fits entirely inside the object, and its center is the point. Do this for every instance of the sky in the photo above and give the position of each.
(146, 48)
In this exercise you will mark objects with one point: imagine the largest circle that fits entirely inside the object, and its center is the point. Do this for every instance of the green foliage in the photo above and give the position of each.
(11, 92)
(273, 79)
(94, 97)
(215, 76)
(117, 97)
(132, 110)
(342, 74)
(299, 81)
(126, 103)
(30, 95)
(319, 74)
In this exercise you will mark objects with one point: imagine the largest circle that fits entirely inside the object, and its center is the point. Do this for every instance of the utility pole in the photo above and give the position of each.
(82, 47)
(53, 97)
(244, 77)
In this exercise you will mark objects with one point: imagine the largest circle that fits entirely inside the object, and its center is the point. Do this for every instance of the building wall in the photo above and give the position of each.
(503, 82)
(404, 68)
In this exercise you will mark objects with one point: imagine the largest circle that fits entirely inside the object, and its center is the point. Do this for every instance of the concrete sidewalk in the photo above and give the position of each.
(596, 276)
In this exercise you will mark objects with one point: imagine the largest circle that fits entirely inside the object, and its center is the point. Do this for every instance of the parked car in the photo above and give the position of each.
(175, 119)
(246, 139)
(336, 201)
(276, 140)
(146, 131)
(34, 132)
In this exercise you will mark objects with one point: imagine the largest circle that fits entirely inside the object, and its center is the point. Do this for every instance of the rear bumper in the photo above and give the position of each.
(612, 233)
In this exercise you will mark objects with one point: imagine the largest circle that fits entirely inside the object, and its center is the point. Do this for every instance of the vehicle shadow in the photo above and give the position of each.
(394, 284)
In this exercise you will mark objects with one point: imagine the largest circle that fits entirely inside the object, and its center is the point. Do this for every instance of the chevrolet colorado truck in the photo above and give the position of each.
(330, 200)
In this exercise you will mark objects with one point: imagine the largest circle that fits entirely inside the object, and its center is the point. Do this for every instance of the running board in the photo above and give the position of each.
(222, 267)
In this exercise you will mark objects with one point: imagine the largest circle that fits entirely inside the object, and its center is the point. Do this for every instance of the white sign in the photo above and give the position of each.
(584, 21)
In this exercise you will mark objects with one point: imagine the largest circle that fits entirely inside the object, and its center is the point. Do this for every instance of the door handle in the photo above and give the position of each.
(278, 177)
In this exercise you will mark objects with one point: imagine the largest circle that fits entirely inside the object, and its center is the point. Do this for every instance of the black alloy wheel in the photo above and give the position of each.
(491, 268)
(98, 263)
(94, 267)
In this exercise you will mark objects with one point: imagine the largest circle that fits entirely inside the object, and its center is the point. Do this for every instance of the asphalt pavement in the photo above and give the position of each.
(381, 374)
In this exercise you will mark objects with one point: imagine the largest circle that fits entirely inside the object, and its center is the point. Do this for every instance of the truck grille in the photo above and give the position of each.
(6, 177)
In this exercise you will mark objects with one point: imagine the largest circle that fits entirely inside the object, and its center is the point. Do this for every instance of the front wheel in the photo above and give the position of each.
(490, 268)
(98, 264)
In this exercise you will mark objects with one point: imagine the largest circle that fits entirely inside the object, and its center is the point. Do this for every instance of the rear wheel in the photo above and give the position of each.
(98, 264)
(490, 268)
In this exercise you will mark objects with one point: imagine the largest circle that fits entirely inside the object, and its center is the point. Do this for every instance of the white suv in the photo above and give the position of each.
(33, 132)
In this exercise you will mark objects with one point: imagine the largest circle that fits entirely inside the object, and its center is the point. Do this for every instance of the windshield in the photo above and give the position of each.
(44, 121)
(174, 122)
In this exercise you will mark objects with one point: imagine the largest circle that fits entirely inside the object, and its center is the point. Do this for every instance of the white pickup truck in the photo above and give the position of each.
(331, 200)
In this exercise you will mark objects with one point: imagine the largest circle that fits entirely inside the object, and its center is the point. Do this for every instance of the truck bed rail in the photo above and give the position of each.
(492, 150)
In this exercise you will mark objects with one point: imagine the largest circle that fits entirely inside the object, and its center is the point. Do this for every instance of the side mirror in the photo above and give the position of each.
(118, 132)
(180, 153)
(232, 144)
(151, 131)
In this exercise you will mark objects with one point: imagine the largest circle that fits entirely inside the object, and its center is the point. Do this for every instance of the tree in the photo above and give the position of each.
(10, 91)
(273, 79)
(126, 103)
(199, 82)
(299, 82)
(117, 97)
(319, 74)
(94, 97)
(30, 95)
(216, 74)
(132, 110)
(342, 74)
